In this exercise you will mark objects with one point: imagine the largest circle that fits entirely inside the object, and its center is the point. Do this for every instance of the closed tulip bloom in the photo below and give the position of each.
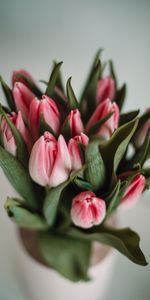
(141, 134)
(105, 89)
(23, 97)
(133, 192)
(47, 109)
(102, 111)
(17, 78)
(76, 155)
(8, 139)
(75, 122)
(87, 210)
(49, 163)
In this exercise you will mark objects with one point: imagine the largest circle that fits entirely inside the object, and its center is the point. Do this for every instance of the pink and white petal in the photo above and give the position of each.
(62, 164)
(38, 163)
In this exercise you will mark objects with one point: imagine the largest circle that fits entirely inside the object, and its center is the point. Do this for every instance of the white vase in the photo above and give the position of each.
(43, 283)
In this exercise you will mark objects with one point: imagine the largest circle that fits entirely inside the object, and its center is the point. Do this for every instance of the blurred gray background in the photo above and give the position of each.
(32, 34)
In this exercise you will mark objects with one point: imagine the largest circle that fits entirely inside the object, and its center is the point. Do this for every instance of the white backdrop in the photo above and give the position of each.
(32, 34)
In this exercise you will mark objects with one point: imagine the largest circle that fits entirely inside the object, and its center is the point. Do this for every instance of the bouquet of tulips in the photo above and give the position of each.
(73, 162)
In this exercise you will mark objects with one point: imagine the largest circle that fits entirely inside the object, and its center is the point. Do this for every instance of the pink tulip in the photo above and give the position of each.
(87, 210)
(102, 111)
(23, 97)
(141, 134)
(77, 159)
(133, 192)
(49, 163)
(105, 89)
(17, 78)
(47, 109)
(75, 122)
(7, 136)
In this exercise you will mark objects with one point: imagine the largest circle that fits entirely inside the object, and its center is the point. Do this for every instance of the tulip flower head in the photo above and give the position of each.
(7, 136)
(75, 122)
(23, 97)
(47, 109)
(102, 111)
(76, 156)
(17, 78)
(49, 163)
(86, 159)
(105, 89)
(133, 192)
(87, 210)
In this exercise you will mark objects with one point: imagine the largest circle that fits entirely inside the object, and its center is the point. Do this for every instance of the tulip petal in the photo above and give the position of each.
(133, 192)
(75, 122)
(75, 154)
(105, 89)
(23, 97)
(38, 163)
(62, 164)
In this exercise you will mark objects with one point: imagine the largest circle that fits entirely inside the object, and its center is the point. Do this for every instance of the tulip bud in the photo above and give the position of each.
(47, 109)
(133, 192)
(77, 159)
(75, 122)
(49, 163)
(105, 89)
(141, 134)
(23, 97)
(8, 139)
(102, 111)
(17, 78)
(87, 210)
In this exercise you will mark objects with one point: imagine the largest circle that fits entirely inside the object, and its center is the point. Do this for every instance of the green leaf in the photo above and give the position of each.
(146, 173)
(98, 124)
(78, 179)
(90, 77)
(63, 219)
(128, 132)
(89, 103)
(66, 130)
(121, 93)
(67, 255)
(143, 119)
(51, 202)
(127, 117)
(19, 178)
(77, 173)
(6, 109)
(53, 80)
(22, 153)
(43, 81)
(112, 199)
(142, 153)
(23, 217)
(95, 169)
(112, 72)
(115, 197)
(120, 96)
(82, 184)
(72, 100)
(59, 82)
(8, 94)
(88, 97)
(124, 240)
(31, 85)
(114, 149)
